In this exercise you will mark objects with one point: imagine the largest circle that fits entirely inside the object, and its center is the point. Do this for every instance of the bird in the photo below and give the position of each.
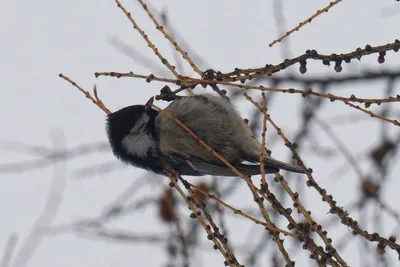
(146, 138)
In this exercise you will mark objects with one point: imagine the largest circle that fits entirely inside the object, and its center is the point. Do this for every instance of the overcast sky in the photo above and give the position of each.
(43, 38)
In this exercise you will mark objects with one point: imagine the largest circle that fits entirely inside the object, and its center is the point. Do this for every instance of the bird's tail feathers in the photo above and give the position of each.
(282, 165)
(274, 163)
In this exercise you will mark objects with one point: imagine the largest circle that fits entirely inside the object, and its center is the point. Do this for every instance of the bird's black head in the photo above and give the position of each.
(132, 134)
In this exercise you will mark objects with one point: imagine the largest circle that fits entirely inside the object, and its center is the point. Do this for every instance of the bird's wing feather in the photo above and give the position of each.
(221, 170)
(176, 161)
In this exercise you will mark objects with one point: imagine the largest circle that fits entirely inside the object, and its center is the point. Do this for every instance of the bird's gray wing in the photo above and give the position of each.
(222, 170)
(179, 163)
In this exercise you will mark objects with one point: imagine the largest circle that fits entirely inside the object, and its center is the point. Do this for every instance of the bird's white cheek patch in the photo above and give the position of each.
(138, 144)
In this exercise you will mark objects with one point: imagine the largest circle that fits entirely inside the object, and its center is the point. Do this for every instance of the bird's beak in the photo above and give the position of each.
(149, 103)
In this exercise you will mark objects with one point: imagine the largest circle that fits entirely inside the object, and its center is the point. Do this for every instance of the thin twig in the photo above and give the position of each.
(295, 196)
(264, 130)
(240, 212)
(169, 38)
(146, 38)
(395, 122)
(217, 244)
(136, 56)
(308, 20)
(95, 100)
(192, 82)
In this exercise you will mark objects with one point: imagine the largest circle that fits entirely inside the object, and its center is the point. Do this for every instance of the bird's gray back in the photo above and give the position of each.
(212, 119)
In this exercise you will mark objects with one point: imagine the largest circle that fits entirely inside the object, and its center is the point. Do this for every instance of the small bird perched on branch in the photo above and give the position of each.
(148, 139)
